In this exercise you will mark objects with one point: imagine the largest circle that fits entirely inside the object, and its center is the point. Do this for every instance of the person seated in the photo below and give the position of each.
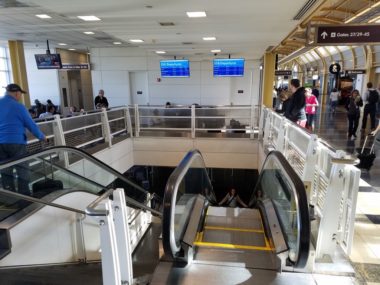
(49, 113)
(232, 199)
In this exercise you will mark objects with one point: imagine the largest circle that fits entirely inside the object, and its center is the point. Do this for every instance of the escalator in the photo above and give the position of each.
(61, 182)
(207, 244)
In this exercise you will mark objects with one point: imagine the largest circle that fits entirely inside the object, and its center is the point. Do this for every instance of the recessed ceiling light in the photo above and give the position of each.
(136, 41)
(117, 43)
(160, 51)
(89, 33)
(196, 14)
(215, 50)
(72, 49)
(43, 16)
(209, 38)
(89, 18)
(62, 44)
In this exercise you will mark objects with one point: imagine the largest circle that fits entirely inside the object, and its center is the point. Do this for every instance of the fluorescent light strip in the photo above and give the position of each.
(376, 19)
(72, 49)
(136, 41)
(215, 50)
(358, 15)
(200, 14)
(62, 44)
(209, 38)
(117, 43)
(43, 16)
(89, 33)
(89, 18)
(160, 51)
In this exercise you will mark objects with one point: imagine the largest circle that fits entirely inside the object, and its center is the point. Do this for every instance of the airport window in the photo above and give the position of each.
(4, 68)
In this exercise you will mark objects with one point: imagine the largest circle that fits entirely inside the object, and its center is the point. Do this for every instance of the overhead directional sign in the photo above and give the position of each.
(355, 71)
(282, 72)
(347, 34)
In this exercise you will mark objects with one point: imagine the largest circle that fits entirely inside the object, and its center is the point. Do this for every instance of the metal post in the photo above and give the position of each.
(106, 127)
(59, 138)
(193, 121)
(127, 115)
(252, 123)
(110, 258)
(267, 129)
(261, 122)
(79, 238)
(137, 120)
(123, 236)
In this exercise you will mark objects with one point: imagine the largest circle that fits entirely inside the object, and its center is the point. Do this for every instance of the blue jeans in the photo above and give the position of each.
(12, 151)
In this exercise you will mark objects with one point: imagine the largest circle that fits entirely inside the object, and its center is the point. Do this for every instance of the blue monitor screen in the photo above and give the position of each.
(48, 61)
(229, 67)
(175, 68)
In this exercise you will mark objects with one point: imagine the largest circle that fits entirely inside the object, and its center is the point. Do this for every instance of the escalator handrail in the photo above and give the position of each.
(171, 190)
(79, 152)
(303, 235)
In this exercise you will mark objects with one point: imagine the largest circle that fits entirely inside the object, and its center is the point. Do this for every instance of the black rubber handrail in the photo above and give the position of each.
(171, 247)
(299, 193)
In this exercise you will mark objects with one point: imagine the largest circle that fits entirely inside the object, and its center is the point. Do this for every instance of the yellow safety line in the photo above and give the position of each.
(199, 237)
(233, 229)
(232, 246)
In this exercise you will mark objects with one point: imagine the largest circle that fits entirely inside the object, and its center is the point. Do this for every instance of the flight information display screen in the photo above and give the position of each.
(175, 68)
(229, 67)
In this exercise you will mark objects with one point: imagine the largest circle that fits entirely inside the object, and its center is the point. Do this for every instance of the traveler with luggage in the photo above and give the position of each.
(353, 105)
(14, 119)
(371, 97)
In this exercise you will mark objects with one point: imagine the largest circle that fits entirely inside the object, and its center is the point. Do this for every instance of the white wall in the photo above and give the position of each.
(43, 84)
(111, 66)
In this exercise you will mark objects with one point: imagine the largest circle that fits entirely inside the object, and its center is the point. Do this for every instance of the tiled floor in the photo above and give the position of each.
(365, 254)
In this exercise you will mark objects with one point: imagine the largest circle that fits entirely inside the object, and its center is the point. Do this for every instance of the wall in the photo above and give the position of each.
(111, 66)
(43, 84)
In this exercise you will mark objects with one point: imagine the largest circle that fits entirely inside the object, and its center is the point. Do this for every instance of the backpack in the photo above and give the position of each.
(373, 97)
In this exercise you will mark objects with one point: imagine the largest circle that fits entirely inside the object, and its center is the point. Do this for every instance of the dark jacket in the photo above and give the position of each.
(353, 106)
(101, 101)
(295, 110)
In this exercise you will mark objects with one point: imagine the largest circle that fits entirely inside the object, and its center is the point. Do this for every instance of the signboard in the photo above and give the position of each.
(283, 72)
(355, 71)
(75, 66)
(335, 68)
(347, 34)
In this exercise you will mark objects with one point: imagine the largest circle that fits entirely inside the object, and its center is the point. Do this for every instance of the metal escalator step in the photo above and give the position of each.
(241, 213)
(229, 222)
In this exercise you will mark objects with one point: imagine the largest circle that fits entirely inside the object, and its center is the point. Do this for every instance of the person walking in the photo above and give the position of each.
(295, 111)
(370, 98)
(334, 97)
(311, 108)
(353, 105)
(14, 119)
(100, 100)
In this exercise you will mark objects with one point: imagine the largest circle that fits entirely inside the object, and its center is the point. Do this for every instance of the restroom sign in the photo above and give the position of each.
(335, 68)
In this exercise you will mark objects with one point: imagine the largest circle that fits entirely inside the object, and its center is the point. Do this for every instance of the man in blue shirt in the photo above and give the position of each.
(14, 118)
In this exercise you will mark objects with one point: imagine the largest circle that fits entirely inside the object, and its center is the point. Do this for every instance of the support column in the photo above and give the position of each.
(16, 51)
(268, 79)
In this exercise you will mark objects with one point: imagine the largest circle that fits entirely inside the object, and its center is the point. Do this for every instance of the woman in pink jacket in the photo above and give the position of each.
(311, 108)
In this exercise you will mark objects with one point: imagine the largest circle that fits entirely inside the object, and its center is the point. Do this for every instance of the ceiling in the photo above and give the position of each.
(242, 27)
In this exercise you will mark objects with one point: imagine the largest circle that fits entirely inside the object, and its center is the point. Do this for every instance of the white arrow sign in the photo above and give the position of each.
(324, 34)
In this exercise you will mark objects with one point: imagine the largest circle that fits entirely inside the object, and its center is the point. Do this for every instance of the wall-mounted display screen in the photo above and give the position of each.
(229, 67)
(48, 61)
(175, 68)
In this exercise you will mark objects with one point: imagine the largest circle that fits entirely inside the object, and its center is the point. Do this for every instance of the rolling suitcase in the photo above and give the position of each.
(366, 156)
(47, 185)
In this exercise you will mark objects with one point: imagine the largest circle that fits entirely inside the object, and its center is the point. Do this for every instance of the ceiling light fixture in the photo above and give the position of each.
(209, 38)
(136, 41)
(62, 44)
(362, 12)
(117, 43)
(89, 33)
(376, 19)
(43, 16)
(160, 51)
(72, 49)
(215, 50)
(200, 14)
(89, 18)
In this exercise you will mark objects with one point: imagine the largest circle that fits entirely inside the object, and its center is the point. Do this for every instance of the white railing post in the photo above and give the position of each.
(280, 144)
(192, 121)
(128, 121)
(106, 127)
(108, 244)
(310, 165)
(267, 129)
(79, 238)
(329, 224)
(123, 236)
(261, 123)
(137, 120)
(59, 136)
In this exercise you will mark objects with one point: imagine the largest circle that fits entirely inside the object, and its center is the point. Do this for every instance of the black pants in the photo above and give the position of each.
(353, 123)
(371, 110)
